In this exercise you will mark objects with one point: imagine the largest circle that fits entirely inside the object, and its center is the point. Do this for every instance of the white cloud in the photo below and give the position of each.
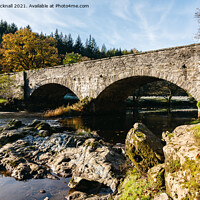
(121, 9)
(143, 21)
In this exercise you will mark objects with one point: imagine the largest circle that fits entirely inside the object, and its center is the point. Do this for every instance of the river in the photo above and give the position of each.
(113, 128)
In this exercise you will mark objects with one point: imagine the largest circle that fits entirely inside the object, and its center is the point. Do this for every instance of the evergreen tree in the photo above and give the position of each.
(78, 47)
(88, 47)
(60, 43)
(5, 28)
(69, 44)
(28, 27)
(91, 48)
(95, 49)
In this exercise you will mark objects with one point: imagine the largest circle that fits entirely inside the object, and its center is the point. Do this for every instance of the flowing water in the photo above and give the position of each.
(113, 128)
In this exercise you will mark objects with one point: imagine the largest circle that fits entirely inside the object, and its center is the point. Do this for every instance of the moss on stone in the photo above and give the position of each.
(174, 166)
(135, 186)
(84, 133)
(196, 130)
(160, 179)
(192, 174)
(91, 143)
(140, 134)
(142, 155)
(198, 104)
(170, 135)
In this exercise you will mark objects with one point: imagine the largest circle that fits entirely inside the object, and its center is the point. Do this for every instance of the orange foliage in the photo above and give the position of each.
(27, 50)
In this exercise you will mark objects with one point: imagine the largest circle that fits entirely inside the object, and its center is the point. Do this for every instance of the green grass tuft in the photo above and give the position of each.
(3, 100)
(196, 131)
(174, 165)
(136, 186)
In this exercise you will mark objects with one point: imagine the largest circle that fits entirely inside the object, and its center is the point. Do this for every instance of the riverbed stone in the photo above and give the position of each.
(144, 149)
(92, 161)
(182, 162)
(7, 136)
(13, 124)
(34, 123)
(43, 126)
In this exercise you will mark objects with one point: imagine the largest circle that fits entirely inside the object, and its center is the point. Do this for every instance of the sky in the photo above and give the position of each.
(126, 24)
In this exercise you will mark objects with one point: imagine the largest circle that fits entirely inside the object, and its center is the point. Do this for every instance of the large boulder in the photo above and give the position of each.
(182, 162)
(94, 163)
(144, 149)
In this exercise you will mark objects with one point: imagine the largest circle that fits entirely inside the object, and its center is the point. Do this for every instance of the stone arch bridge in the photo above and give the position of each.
(111, 80)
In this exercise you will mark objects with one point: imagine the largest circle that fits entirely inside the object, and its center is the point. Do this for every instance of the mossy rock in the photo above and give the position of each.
(44, 133)
(13, 124)
(144, 149)
(94, 144)
(192, 177)
(43, 126)
(198, 104)
(34, 123)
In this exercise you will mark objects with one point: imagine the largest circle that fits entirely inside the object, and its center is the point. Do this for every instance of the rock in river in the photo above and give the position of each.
(143, 147)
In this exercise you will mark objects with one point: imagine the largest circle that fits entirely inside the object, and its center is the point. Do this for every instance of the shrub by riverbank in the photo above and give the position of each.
(11, 105)
(76, 109)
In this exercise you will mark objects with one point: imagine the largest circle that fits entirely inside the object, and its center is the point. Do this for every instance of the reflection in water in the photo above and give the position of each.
(114, 128)
(21, 190)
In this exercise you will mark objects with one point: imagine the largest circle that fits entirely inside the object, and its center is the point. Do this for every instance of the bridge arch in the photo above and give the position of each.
(51, 95)
(133, 74)
(115, 94)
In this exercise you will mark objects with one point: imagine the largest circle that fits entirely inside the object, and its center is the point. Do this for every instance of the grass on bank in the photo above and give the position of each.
(194, 122)
(69, 110)
(3, 101)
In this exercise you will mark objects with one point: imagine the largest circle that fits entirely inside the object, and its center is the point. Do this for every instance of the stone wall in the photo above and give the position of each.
(16, 88)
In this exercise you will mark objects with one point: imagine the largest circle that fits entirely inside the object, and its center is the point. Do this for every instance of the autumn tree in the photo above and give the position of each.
(26, 50)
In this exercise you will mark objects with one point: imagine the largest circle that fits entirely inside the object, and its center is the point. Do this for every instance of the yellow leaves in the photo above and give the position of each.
(27, 50)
